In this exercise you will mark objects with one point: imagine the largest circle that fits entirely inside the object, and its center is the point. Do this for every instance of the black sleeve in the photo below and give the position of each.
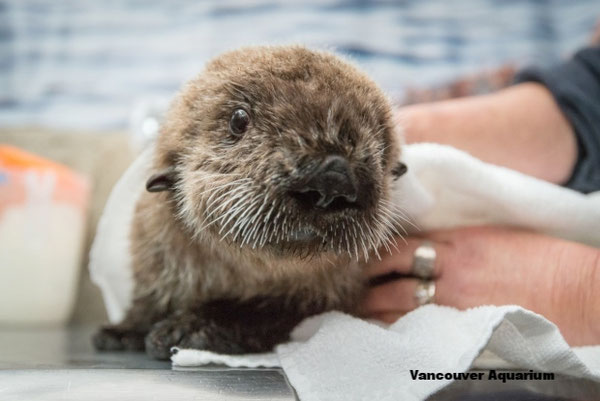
(576, 88)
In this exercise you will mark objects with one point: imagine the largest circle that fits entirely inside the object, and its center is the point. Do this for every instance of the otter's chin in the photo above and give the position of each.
(304, 235)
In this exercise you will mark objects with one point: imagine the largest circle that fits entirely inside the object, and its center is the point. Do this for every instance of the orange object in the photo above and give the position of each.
(23, 173)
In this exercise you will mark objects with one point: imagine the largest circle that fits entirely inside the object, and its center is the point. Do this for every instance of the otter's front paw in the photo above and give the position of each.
(193, 332)
(116, 338)
(174, 331)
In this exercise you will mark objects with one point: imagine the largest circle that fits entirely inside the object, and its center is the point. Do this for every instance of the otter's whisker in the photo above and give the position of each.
(370, 238)
(253, 219)
(216, 190)
(397, 211)
(245, 224)
(226, 194)
(238, 204)
(229, 199)
(236, 199)
(268, 228)
(245, 207)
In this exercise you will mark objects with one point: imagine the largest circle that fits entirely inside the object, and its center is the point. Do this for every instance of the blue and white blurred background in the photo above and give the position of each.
(83, 64)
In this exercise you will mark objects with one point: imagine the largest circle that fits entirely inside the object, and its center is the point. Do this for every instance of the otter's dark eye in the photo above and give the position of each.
(239, 122)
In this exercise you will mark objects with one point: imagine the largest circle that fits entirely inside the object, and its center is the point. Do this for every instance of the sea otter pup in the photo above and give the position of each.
(271, 186)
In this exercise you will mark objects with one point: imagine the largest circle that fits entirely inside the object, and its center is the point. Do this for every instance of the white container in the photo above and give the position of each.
(42, 228)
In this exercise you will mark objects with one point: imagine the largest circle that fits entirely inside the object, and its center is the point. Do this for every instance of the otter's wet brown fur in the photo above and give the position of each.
(218, 262)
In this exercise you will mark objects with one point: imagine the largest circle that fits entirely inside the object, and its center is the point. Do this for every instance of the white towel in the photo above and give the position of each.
(351, 359)
(460, 190)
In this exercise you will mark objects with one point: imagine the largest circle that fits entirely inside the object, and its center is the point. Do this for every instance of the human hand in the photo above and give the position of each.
(497, 266)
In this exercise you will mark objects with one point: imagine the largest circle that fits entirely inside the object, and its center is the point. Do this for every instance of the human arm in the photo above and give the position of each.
(548, 126)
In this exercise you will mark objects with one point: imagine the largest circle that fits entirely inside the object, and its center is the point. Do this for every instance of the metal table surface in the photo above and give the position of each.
(60, 364)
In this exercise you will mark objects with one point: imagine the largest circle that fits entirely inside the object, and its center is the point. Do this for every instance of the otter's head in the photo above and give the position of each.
(284, 150)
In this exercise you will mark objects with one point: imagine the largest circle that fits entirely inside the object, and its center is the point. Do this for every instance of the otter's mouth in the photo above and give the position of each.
(249, 215)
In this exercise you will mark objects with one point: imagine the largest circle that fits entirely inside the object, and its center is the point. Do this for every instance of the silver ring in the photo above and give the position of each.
(425, 292)
(424, 260)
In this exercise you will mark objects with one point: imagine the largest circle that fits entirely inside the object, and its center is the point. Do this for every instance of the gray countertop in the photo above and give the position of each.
(47, 364)
(60, 364)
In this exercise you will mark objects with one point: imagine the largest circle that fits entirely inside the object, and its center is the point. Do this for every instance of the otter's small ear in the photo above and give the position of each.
(161, 181)
(399, 170)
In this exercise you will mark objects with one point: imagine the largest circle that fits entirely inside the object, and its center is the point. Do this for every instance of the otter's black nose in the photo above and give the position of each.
(330, 186)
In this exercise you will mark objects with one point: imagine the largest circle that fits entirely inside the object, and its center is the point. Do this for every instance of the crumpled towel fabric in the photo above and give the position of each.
(351, 359)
